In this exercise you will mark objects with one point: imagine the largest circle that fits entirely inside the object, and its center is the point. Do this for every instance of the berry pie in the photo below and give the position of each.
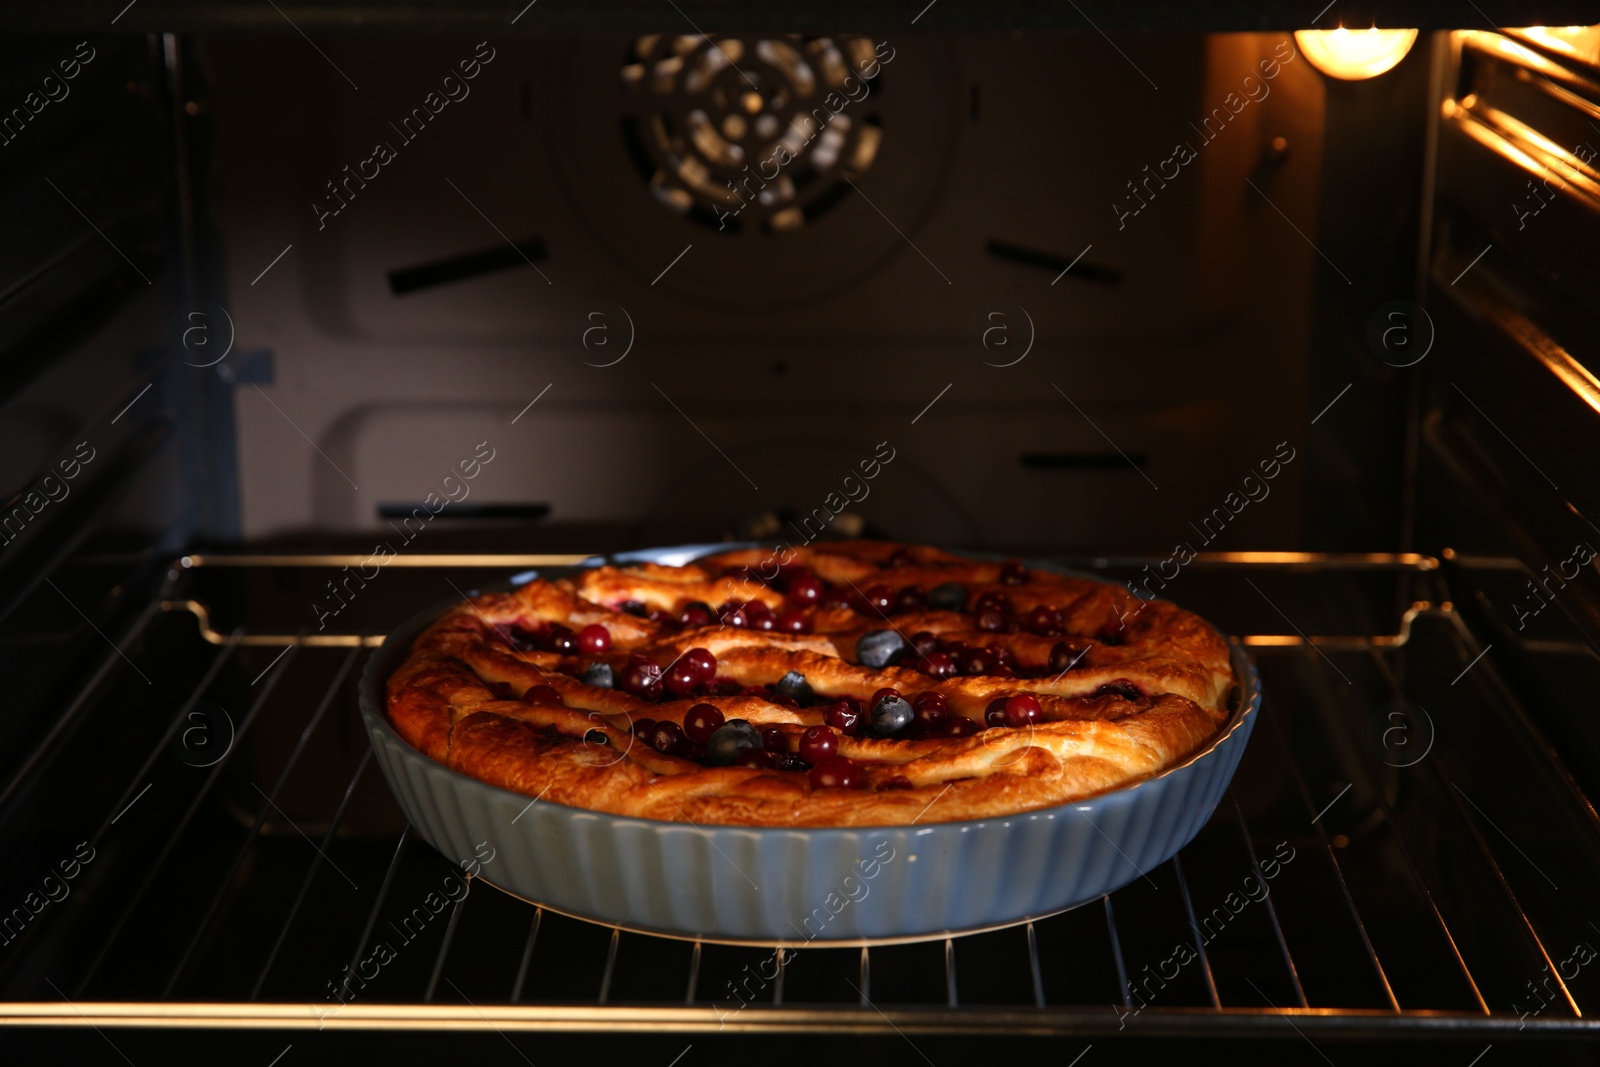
(845, 684)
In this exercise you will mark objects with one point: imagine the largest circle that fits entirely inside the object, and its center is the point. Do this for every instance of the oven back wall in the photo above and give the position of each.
(706, 367)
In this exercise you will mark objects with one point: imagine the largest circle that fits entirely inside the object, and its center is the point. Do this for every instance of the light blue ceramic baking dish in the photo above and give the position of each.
(797, 886)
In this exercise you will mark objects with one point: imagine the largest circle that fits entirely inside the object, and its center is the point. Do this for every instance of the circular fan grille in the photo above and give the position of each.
(752, 134)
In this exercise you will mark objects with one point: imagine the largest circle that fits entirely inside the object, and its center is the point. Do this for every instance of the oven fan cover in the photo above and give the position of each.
(765, 132)
(761, 149)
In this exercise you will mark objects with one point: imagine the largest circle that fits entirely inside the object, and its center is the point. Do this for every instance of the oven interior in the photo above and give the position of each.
(269, 284)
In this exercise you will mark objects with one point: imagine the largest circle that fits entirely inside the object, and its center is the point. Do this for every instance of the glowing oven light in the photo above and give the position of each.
(1354, 54)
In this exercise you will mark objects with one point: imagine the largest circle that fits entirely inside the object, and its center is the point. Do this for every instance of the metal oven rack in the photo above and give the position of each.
(1348, 886)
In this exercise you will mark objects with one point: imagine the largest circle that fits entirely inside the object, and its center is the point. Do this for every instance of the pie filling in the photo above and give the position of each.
(844, 684)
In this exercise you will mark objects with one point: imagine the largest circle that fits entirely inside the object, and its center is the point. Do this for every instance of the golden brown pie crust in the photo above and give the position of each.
(1165, 672)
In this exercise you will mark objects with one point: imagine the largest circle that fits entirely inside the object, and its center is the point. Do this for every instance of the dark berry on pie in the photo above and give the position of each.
(949, 596)
(890, 716)
(794, 686)
(597, 674)
(729, 739)
(1122, 688)
(879, 648)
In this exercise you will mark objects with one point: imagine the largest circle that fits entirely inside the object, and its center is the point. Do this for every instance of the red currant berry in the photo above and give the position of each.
(681, 678)
(843, 716)
(925, 641)
(775, 740)
(818, 744)
(835, 773)
(991, 621)
(837, 597)
(697, 613)
(995, 713)
(975, 661)
(668, 739)
(594, 639)
(543, 694)
(1022, 710)
(703, 662)
(643, 728)
(880, 599)
(756, 759)
(804, 588)
(930, 709)
(732, 613)
(939, 665)
(640, 676)
(1043, 619)
(910, 599)
(701, 722)
(1064, 656)
(960, 726)
(992, 601)
(883, 694)
(561, 639)
(520, 639)
(793, 622)
(1013, 573)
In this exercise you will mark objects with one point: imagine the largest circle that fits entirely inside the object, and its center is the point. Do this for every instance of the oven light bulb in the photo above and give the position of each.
(1354, 54)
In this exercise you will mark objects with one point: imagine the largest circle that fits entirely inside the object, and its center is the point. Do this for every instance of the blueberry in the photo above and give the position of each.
(878, 648)
(890, 716)
(951, 596)
(598, 674)
(794, 686)
(731, 738)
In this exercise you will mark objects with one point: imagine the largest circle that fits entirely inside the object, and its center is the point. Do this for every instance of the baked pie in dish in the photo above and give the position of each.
(851, 684)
